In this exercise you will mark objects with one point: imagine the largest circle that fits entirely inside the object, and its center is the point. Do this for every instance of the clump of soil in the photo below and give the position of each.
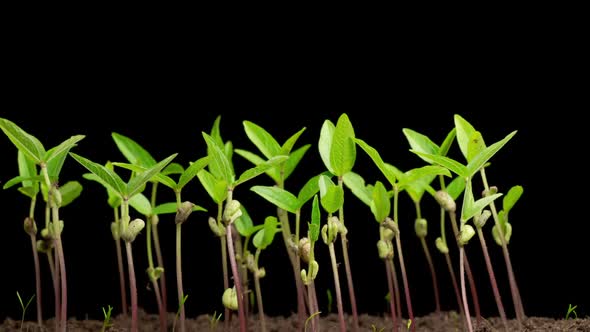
(442, 322)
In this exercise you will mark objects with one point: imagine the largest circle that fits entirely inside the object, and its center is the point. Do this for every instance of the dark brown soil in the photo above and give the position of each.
(443, 322)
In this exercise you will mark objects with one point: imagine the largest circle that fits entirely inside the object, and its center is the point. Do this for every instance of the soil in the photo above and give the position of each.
(442, 322)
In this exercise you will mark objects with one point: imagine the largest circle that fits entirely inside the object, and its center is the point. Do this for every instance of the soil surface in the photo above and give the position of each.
(443, 322)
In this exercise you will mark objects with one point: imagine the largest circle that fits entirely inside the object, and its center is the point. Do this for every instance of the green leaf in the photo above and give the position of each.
(511, 198)
(255, 159)
(259, 169)
(374, 155)
(264, 237)
(219, 164)
(343, 149)
(217, 189)
(325, 143)
(216, 132)
(331, 195)
(380, 205)
(475, 146)
(279, 197)
(114, 200)
(28, 144)
(192, 171)
(171, 207)
(28, 191)
(21, 179)
(294, 159)
(486, 154)
(314, 226)
(163, 179)
(134, 152)
(63, 148)
(69, 192)
(415, 175)
(464, 133)
(264, 141)
(172, 168)
(456, 187)
(420, 142)
(453, 165)
(356, 184)
(471, 208)
(27, 168)
(245, 225)
(309, 189)
(137, 182)
(141, 204)
(57, 156)
(108, 177)
(290, 143)
(446, 144)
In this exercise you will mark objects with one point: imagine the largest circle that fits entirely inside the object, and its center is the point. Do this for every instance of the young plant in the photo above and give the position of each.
(114, 201)
(23, 307)
(137, 155)
(472, 146)
(178, 312)
(286, 201)
(182, 210)
(307, 253)
(571, 310)
(269, 148)
(422, 143)
(470, 208)
(221, 183)
(50, 163)
(261, 241)
(338, 152)
(128, 229)
(106, 322)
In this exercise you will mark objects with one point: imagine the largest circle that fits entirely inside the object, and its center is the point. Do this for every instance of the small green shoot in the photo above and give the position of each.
(330, 299)
(214, 320)
(310, 318)
(106, 323)
(374, 328)
(180, 306)
(571, 310)
(25, 306)
(409, 324)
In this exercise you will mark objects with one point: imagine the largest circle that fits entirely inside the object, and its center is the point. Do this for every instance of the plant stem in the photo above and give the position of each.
(158, 250)
(259, 294)
(313, 306)
(463, 290)
(225, 278)
(432, 274)
(516, 299)
(161, 311)
(179, 276)
(37, 279)
(388, 267)
(454, 281)
(122, 286)
(295, 264)
(467, 269)
(337, 287)
(132, 287)
(55, 281)
(492, 276)
(64, 288)
(398, 299)
(344, 243)
(236, 277)
(405, 280)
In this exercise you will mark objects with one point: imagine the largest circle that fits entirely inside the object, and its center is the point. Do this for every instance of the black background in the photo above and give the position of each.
(164, 93)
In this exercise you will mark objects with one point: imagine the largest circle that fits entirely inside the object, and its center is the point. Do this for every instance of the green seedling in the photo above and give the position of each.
(571, 310)
(422, 143)
(220, 183)
(214, 321)
(338, 152)
(23, 307)
(479, 156)
(128, 229)
(179, 311)
(329, 299)
(106, 322)
(310, 318)
(182, 210)
(50, 163)
(270, 148)
(374, 328)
